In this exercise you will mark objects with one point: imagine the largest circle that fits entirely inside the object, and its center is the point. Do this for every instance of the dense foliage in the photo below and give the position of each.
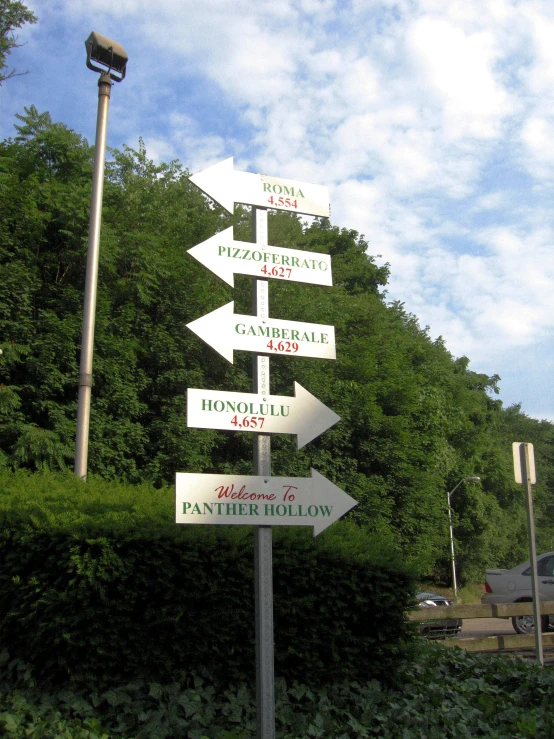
(415, 420)
(13, 15)
(444, 695)
(97, 580)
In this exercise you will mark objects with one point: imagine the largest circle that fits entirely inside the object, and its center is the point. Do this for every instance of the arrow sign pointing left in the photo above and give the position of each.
(252, 500)
(224, 257)
(226, 331)
(228, 186)
(303, 414)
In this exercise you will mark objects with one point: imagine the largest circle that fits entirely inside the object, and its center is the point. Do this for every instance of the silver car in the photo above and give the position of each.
(514, 586)
(443, 627)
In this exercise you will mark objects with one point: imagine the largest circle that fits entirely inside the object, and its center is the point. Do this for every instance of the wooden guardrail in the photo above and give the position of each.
(487, 643)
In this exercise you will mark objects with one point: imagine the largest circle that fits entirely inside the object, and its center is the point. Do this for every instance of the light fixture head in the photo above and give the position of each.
(110, 55)
(472, 479)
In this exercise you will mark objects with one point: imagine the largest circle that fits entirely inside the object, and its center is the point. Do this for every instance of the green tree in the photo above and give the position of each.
(13, 14)
(415, 420)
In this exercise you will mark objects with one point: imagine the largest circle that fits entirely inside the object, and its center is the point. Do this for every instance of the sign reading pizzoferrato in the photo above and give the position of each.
(226, 331)
(226, 257)
(228, 186)
(260, 501)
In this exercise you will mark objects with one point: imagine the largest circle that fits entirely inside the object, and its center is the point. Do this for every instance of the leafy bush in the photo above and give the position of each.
(444, 695)
(96, 579)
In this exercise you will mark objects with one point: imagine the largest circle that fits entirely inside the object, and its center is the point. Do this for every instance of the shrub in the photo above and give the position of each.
(97, 579)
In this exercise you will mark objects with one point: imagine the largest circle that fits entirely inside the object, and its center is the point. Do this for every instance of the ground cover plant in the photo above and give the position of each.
(443, 694)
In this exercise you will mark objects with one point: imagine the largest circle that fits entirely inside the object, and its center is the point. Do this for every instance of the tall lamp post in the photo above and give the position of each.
(110, 59)
(464, 479)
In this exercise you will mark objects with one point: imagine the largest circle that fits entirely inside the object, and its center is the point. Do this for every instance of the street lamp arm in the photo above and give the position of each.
(464, 479)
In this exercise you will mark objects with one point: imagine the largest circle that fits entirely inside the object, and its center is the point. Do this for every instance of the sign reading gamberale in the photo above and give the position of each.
(254, 499)
(228, 186)
(303, 414)
(226, 331)
(226, 257)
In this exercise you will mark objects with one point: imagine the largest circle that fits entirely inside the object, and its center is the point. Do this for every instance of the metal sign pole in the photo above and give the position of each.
(263, 555)
(526, 477)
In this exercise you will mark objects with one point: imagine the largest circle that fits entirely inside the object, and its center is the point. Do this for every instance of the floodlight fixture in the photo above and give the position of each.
(110, 55)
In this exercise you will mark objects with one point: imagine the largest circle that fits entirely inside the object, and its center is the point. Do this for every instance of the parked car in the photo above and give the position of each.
(514, 586)
(443, 627)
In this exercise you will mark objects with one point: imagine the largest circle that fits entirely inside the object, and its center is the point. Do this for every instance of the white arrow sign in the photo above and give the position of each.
(252, 500)
(226, 331)
(228, 186)
(303, 414)
(224, 257)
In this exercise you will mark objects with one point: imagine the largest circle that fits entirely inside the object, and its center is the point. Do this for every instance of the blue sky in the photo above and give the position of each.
(431, 122)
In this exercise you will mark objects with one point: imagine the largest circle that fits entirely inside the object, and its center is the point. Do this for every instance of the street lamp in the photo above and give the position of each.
(464, 479)
(110, 59)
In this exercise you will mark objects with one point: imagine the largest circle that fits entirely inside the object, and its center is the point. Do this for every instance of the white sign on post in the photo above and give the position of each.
(226, 331)
(303, 414)
(228, 186)
(517, 463)
(226, 257)
(254, 500)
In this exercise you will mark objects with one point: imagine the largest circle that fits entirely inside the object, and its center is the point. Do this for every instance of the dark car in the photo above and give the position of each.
(444, 626)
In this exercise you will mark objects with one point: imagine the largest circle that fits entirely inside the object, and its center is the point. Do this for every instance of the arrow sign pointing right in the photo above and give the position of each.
(303, 415)
(224, 257)
(253, 500)
(228, 186)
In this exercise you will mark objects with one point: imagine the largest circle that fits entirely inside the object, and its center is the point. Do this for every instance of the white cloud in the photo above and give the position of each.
(431, 122)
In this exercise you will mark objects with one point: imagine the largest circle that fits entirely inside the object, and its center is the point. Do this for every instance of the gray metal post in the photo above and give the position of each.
(526, 479)
(91, 279)
(263, 555)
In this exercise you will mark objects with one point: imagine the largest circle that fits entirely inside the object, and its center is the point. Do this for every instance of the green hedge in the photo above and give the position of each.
(97, 579)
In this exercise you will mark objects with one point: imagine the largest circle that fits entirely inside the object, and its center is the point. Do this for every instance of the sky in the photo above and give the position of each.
(431, 122)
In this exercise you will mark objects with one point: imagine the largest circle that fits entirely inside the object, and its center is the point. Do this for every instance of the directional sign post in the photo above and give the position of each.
(261, 500)
(225, 331)
(303, 414)
(226, 257)
(228, 186)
